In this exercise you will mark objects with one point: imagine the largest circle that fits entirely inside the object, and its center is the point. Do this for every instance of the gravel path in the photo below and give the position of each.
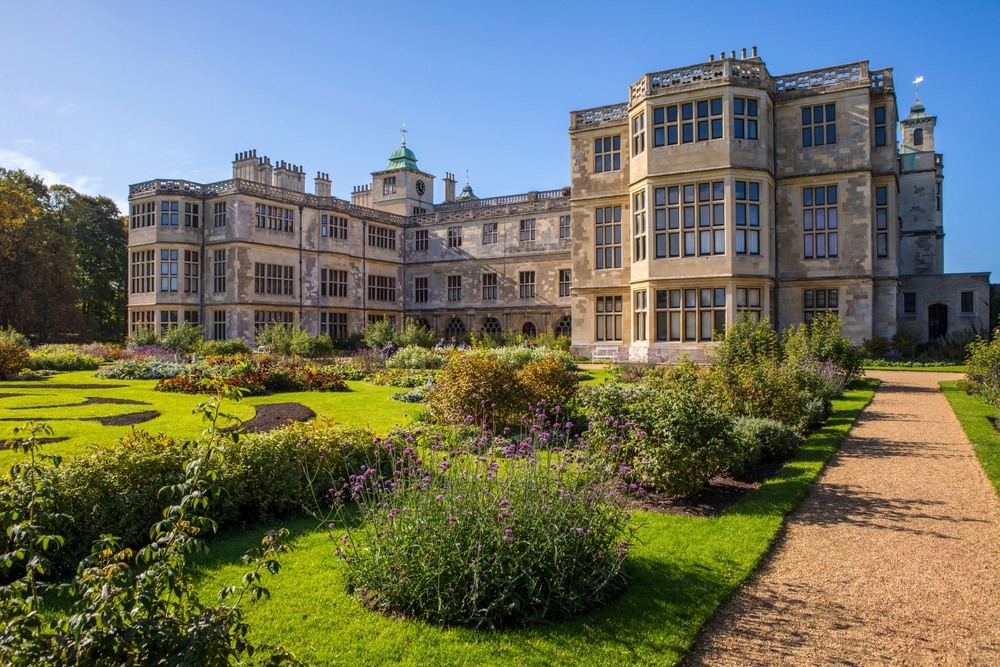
(892, 559)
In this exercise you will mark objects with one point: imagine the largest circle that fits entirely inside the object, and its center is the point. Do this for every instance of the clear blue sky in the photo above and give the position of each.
(99, 95)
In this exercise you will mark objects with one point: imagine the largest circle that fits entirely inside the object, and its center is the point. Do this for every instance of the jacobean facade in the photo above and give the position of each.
(716, 189)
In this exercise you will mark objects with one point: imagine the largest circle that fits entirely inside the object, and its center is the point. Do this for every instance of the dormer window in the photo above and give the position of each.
(918, 137)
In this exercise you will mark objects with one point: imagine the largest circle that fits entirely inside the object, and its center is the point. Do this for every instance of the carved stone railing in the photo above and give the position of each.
(500, 201)
(737, 72)
(852, 75)
(500, 207)
(272, 193)
(881, 80)
(612, 114)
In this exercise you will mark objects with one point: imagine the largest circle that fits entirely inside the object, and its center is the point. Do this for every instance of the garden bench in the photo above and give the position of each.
(610, 353)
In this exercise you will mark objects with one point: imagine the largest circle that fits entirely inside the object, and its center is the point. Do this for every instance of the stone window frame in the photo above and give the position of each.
(745, 123)
(276, 279)
(389, 185)
(219, 270)
(526, 285)
(333, 324)
(639, 228)
(815, 235)
(608, 319)
(816, 301)
(665, 126)
(490, 232)
(381, 288)
(565, 282)
(607, 154)
(220, 324)
(169, 213)
(333, 226)
(219, 213)
(879, 135)
(526, 230)
(191, 317)
(639, 134)
(266, 318)
(274, 218)
(822, 132)
(192, 214)
(421, 289)
(333, 283)
(690, 314)
(143, 319)
(881, 221)
(608, 237)
(143, 271)
(746, 196)
(565, 229)
(709, 119)
(169, 269)
(749, 300)
(381, 237)
(491, 286)
(640, 303)
(168, 320)
(421, 239)
(455, 237)
(143, 215)
(971, 310)
(192, 271)
(455, 288)
(910, 303)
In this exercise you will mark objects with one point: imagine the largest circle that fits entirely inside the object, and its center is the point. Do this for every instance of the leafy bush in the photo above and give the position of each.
(378, 333)
(413, 396)
(904, 343)
(187, 337)
(13, 353)
(402, 377)
(225, 347)
(661, 435)
(415, 335)
(417, 357)
(59, 358)
(152, 352)
(876, 347)
(631, 371)
(485, 541)
(312, 347)
(773, 440)
(954, 344)
(141, 369)
(519, 357)
(479, 385)
(280, 338)
(982, 374)
(116, 488)
(140, 338)
(546, 381)
(823, 340)
(909, 363)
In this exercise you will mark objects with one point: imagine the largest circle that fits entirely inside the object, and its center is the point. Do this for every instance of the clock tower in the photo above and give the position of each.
(401, 187)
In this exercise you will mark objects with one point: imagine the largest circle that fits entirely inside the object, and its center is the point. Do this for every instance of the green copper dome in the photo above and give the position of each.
(402, 158)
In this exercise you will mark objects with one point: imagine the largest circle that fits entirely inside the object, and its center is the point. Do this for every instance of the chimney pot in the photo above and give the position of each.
(743, 54)
(753, 51)
(732, 54)
(722, 55)
(711, 57)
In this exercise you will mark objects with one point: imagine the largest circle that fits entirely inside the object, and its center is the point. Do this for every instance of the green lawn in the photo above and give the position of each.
(977, 419)
(681, 572)
(364, 404)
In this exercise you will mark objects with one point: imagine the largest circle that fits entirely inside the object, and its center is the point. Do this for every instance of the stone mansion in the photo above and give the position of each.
(715, 189)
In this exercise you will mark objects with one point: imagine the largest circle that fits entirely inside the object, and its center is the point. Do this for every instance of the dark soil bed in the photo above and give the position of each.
(46, 385)
(91, 400)
(275, 415)
(712, 500)
(124, 420)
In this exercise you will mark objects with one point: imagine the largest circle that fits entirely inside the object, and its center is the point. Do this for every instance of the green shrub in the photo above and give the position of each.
(485, 542)
(661, 435)
(477, 384)
(954, 344)
(141, 337)
(773, 440)
(59, 358)
(417, 357)
(904, 343)
(547, 381)
(312, 347)
(402, 377)
(141, 369)
(115, 489)
(281, 338)
(876, 347)
(187, 337)
(378, 333)
(414, 335)
(13, 353)
(823, 340)
(257, 375)
(519, 357)
(982, 371)
(225, 347)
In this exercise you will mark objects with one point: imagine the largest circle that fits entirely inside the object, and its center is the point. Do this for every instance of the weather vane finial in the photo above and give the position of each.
(466, 176)
(402, 132)
(916, 82)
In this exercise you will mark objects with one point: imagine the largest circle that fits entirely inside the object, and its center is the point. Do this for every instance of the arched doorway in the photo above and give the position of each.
(937, 321)
(529, 329)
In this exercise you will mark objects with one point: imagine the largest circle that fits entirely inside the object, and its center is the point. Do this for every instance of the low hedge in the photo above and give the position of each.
(116, 489)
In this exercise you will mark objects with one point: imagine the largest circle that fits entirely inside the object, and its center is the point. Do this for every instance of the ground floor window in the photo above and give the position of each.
(968, 302)
(529, 329)
(748, 301)
(219, 325)
(564, 327)
(691, 314)
(455, 328)
(640, 316)
(333, 325)
(263, 318)
(491, 327)
(609, 318)
(143, 319)
(168, 319)
(815, 302)
(910, 303)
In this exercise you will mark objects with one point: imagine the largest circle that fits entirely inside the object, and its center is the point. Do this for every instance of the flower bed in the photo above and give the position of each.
(257, 375)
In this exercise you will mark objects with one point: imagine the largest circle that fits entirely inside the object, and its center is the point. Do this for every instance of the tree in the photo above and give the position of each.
(101, 257)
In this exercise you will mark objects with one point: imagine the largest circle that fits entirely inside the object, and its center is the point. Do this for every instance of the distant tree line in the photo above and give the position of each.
(63, 262)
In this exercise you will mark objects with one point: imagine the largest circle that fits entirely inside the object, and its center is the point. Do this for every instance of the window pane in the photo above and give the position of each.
(706, 243)
(702, 130)
(807, 116)
(818, 135)
(831, 218)
(660, 196)
(675, 218)
(879, 115)
(702, 109)
(831, 134)
(717, 106)
(704, 215)
(672, 134)
(741, 214)
(738, 106)
(719, 214)
(882, 243)
(880, 136)
(672, 114)
(881, 219)
(720, 322)
(807, 220)
(754, 215)
(675, 326)
(755, 192)
(880, 196)
(751, 129)
(720, 297)
(690, 325)
(741, 241)
(688, 217)
(741, 190)
(832, 248)
(821, 245)
(807, 197)
(673, 194)
(754, 242)
(831, 195)
(718, 190)
(658, 116)
(687, 111)
(754, 295)
(808, 245)
(819, 196)
(689, 241)
(706, 325)
(831, 301)
(738, 128)
(807, 298)
(751, 107)
(806, 137)
(690, 298)
(831, 112)
(661, 245)
(720, 242)
(716, 128)
(820, 218)
(675, 245)
(660, 219)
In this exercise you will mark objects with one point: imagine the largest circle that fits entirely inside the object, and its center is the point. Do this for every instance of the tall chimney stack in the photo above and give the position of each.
(449, 187)
(322, 187)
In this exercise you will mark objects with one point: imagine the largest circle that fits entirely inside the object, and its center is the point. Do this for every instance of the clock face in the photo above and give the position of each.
(420, 188)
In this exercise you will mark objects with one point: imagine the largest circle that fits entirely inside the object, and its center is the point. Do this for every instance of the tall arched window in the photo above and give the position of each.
(491, 327)
(918, 137)
(529, 329)
(565, 326)
(455, 328)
